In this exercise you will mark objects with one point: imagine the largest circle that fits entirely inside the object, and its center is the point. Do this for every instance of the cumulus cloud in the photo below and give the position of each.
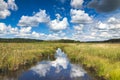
(5, 8)
(113, 20)
(4, 29)
(58, 24)
(4, 12)
(80, 17)
(79, 27)
(105, 5)
(41, 36)
(12, 5)
(26, 32)
(98, 31)
(102, 26)
(8, 30)
(76, 3)
(41, 17)
(35, 20)
(112, 23)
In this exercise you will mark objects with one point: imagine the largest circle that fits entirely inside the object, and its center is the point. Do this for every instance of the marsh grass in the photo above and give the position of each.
(13, 55)
(103, 60)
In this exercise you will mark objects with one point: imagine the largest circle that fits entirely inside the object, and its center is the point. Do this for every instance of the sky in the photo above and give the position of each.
(81, 20)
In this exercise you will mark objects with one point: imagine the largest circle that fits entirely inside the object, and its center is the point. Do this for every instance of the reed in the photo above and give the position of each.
(103, 60)
(13, 55)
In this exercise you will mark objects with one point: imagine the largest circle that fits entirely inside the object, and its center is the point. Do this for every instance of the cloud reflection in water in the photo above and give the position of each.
(60, 69)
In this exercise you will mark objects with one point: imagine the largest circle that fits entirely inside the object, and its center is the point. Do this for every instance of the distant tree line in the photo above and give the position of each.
(19, 40)
(113, 40)
(24, 40)
(106, 41)
(64, 41)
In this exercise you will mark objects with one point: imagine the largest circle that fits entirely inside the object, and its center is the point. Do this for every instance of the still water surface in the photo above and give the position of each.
(59, 69)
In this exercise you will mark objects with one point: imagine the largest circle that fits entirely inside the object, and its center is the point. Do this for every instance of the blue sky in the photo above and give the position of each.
(83, 20)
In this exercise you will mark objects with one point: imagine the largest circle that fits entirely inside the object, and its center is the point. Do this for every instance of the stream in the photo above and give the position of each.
(59, 69)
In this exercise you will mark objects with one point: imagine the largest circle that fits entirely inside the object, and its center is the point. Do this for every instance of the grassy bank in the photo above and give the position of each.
(103, 60)
(14, 55)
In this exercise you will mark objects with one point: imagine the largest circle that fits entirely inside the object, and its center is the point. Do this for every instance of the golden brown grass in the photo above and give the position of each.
(12, 55)
(101, 59)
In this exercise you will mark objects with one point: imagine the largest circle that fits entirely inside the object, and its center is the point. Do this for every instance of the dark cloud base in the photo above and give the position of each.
(104, 5)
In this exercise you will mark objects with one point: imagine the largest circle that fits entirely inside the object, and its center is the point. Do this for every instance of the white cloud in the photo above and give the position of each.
(79, 27)
(12, 5)
(58, 24)
(37, 35)
(58, 16)
(56, 36)
(105, 35)
(111, 24)
(13, 30)
(76, 3)
(114, 21)
(98, 30)
(26, 32)
(4, 12)
(5, 6)
(8, 30)
(80, 17)
(102, 26)
(35, 20)
(41, 17)
(4, 29)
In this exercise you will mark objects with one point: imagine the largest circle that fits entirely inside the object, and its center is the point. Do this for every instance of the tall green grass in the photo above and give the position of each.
(13, 55)
(101, 59)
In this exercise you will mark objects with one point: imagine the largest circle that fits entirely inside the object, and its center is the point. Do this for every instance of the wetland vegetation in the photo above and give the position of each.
(102, 60)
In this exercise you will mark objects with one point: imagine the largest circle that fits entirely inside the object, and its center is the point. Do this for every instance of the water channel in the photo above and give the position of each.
(59, 69)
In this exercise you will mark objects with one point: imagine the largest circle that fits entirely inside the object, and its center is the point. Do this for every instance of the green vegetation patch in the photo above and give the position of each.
(13, 55)
(103, 60)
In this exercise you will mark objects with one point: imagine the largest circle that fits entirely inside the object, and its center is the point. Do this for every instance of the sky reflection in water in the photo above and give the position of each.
(60, 69)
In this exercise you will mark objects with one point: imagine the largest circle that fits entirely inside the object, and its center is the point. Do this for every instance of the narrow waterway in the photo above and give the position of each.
(59, 69)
